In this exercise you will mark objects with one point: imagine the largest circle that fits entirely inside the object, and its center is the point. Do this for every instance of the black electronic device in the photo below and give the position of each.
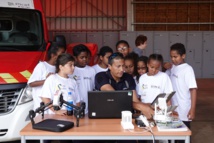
(109, 104)
(139, 122)
(52, 124)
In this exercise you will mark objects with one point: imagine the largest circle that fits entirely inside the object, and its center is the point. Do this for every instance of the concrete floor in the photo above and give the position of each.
(203, 125)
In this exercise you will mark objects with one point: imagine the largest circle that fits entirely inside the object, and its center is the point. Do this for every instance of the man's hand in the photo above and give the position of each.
(145, 108)
(148, 111)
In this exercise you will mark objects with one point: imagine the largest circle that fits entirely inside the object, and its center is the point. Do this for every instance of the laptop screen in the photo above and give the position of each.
(109, 104)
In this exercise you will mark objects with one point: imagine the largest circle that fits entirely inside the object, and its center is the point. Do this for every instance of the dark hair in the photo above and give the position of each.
(156, 57)
(79, 49)
(104, 50)
(141, 39)
(122, 41)
(62, 60)
(133, 56)
(54, 48)
(142, 59)
(60, 40)
(180, 48)
(113, 56)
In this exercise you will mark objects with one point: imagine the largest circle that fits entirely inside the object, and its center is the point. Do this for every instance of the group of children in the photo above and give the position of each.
(72, 74)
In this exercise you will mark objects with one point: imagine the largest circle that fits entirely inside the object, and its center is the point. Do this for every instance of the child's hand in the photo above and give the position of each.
(191, 114)
(175, 113)
(167, 65)
(61, 112)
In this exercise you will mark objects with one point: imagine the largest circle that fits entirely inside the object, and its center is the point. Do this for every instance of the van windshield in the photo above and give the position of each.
(20, 30)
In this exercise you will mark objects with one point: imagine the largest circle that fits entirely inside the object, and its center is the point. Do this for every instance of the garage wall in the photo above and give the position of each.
(199, 47)
(164, 22)
(174, 15)
(85, 15)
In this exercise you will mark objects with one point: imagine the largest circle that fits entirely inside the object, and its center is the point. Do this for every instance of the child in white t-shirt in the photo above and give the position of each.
(184, 83)
(141, 69)
(104, 54)
(42, 71)
(154, 81)
(61, 81)
(83, 74)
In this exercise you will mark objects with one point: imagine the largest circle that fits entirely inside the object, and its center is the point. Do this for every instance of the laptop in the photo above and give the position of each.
(109, 104)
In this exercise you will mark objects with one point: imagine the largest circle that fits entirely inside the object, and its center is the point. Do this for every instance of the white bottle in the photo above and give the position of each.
(69, 108)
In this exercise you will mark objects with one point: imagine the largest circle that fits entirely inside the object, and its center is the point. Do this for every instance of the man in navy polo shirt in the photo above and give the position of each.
(116, 79)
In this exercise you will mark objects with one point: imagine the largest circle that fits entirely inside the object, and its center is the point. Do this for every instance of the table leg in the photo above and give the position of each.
(187, 139)
(23, 139)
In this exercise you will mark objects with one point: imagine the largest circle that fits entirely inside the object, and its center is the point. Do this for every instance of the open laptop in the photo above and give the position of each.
(109, 104)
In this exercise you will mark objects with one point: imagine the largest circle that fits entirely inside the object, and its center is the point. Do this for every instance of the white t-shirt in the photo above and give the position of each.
(98, 69)
(52, 84)
(85, 80)
(40, 72)
(183, 78)
(151, 86)
(137, 86)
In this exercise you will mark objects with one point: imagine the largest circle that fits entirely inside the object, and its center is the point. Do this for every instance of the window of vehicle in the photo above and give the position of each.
(5, 25)
(20, 30)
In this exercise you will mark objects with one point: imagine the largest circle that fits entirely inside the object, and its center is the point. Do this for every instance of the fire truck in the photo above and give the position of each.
(23, 43)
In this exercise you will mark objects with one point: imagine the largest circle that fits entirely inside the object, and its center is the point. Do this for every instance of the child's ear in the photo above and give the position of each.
(184, 56)
(60, 67)
(109, 66)
(75, 58)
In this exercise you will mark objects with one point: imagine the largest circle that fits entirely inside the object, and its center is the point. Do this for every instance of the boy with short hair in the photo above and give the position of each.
(141, 44)
(83, 74)
(102, 65)
(184, 83)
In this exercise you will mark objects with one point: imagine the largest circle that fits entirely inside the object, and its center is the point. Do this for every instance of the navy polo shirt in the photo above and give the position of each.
(126, 82)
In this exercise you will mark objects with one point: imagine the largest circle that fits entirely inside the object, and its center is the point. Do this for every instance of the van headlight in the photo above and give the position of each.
(26, 95)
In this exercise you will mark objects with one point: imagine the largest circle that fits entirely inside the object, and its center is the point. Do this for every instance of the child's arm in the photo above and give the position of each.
(191, 114)
(59, 112)
(39, 82)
